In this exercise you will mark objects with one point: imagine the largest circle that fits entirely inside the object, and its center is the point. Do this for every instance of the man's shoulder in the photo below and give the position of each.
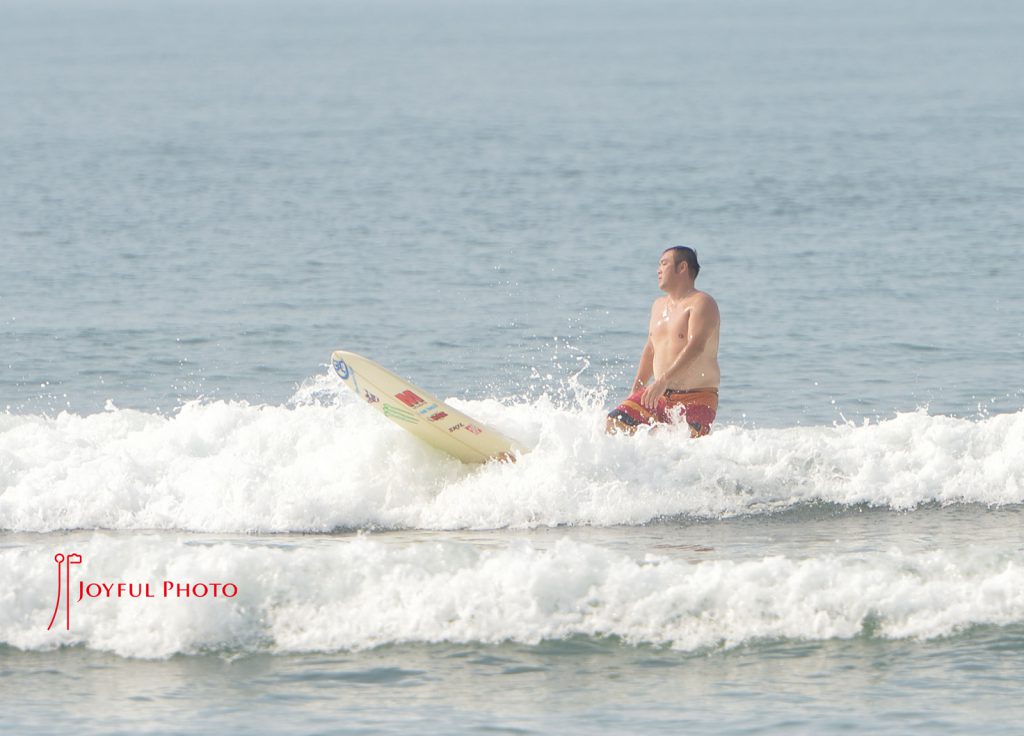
(705, 304)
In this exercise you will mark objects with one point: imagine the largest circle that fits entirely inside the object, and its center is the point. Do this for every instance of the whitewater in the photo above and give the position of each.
(360, 593)
(326, 462)
(320, 506)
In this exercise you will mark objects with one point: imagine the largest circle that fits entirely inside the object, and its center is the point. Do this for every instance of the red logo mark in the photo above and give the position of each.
(440, 415)
(123, 589)
(64, 563)
(409, 398)
(474, 429)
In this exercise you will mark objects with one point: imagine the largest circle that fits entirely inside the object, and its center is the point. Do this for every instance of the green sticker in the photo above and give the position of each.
(401, 415)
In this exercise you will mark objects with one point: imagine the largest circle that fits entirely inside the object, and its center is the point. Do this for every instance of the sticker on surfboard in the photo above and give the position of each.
(417, 411)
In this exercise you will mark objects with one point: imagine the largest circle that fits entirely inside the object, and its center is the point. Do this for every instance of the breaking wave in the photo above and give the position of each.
(326, 462)
(360, 593)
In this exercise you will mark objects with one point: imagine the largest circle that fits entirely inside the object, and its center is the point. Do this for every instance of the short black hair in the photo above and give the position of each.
(685, 253)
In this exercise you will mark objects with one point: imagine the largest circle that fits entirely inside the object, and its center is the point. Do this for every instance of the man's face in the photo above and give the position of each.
(668, 271)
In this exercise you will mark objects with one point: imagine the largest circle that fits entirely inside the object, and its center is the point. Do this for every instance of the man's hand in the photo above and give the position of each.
(654, 392)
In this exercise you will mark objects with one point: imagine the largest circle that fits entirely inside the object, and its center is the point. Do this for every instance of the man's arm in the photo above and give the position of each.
(703, 322)
(646, 368)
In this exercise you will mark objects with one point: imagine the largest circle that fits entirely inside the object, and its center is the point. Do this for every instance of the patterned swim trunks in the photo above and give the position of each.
(696, 406)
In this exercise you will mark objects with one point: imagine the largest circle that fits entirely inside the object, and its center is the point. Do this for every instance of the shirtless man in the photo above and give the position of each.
(681, 354)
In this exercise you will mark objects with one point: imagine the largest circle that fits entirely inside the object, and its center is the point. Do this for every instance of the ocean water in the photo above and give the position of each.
(200, 200)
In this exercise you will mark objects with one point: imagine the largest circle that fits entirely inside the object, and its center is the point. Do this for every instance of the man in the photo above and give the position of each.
(681, 354)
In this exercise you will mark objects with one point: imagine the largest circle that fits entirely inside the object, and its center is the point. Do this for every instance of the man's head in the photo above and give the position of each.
(677, 268)
(684, 254)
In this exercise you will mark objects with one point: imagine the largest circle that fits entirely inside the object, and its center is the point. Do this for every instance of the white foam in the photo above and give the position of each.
(365, 593)
(326, 461)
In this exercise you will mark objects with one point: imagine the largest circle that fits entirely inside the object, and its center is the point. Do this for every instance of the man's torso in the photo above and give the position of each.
(670, 330)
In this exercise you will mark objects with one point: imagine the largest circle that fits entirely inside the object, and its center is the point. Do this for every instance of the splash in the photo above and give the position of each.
(324, 461)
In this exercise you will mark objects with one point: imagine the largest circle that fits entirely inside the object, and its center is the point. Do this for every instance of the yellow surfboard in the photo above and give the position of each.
(421, 413)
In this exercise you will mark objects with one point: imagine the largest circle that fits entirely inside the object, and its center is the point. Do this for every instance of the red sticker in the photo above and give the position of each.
(409, 398)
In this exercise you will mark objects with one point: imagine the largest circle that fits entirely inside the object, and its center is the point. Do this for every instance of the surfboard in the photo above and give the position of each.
(420, 413)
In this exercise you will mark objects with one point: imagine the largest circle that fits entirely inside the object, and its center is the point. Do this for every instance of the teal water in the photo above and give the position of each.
(582, 686)
(205, 198)
(202, 199)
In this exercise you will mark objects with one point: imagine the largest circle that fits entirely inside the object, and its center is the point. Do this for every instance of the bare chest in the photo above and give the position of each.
(669, 324)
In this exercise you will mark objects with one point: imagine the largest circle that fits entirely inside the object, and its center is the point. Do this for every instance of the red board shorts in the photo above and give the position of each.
(696, 406)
